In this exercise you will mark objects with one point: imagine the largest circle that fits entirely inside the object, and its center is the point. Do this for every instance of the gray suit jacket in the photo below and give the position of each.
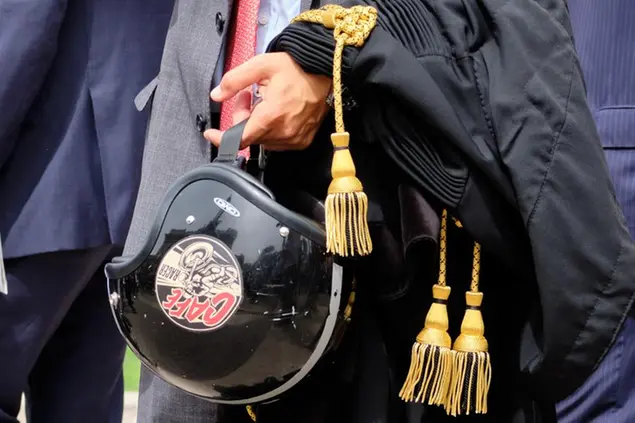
(179, 98)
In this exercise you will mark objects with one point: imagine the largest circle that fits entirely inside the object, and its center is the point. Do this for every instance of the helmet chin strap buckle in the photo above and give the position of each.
(240, 162)
(257, 162)
(262, 157)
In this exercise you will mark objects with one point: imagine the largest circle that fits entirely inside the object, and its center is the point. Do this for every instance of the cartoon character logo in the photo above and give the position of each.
(199, 283)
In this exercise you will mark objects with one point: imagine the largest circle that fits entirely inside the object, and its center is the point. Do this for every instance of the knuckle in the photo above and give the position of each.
(287, 131)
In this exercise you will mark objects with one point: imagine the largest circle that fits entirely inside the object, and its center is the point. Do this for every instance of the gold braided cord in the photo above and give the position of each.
(476, 258)
(443, 237)
(252, 414)
(351, 27)
(476, 267)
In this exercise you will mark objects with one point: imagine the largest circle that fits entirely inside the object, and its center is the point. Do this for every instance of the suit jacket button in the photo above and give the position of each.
(220, 23)
(201, 123)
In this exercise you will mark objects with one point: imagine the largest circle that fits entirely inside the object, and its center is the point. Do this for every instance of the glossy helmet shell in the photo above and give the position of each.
(233, 297)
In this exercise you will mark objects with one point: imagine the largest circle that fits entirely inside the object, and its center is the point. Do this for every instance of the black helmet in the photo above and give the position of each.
(233, 296)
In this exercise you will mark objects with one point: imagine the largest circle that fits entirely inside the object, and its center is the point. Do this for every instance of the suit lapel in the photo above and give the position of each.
(306, 4)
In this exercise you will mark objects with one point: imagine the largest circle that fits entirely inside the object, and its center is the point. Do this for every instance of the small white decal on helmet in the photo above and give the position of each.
(227, 207)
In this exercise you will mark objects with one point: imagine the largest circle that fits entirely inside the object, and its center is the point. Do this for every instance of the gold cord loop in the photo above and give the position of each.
(346, 206)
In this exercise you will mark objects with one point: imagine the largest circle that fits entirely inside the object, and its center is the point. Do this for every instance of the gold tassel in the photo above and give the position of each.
(431, 359)
(346, 205)
(472, 370)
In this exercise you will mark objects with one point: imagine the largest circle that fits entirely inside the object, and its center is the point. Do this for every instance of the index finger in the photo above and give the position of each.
(251, 72)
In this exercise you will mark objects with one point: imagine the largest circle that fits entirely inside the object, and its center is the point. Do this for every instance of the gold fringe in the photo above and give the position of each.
(470, 383)
(431, 358)
(347, 227)
(430, 370)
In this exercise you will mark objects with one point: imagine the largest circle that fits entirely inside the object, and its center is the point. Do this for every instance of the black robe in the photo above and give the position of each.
(479, 106)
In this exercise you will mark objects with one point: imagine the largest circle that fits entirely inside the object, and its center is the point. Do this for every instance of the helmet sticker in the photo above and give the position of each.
(227, 207)
(199, 283)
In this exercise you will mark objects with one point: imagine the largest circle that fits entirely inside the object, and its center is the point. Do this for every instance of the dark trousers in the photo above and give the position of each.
(608, 395)
(58, 341)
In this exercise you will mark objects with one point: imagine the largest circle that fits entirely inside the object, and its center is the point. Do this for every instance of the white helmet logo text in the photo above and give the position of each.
(227, 207)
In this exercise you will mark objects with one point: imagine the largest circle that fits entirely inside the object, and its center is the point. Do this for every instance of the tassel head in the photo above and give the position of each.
(435, 331)
(346, 205)
(430, 370)
(472, 337)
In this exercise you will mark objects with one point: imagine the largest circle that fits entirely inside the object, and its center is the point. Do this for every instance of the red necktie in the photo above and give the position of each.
(241, 47)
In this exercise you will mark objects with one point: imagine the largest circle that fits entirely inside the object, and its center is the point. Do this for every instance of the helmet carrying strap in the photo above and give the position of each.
(230, 144)
(229, 147)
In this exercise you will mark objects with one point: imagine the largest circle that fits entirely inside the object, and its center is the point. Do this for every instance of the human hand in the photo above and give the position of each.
(292, 108)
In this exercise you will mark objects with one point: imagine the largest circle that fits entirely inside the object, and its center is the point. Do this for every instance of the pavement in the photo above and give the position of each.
(130, 407)
(129, 411)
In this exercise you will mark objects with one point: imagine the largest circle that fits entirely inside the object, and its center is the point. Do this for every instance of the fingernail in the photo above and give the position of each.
(212, 135)
(215, 92)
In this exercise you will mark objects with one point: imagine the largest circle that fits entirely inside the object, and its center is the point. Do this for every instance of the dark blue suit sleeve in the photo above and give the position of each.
(28, 42)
